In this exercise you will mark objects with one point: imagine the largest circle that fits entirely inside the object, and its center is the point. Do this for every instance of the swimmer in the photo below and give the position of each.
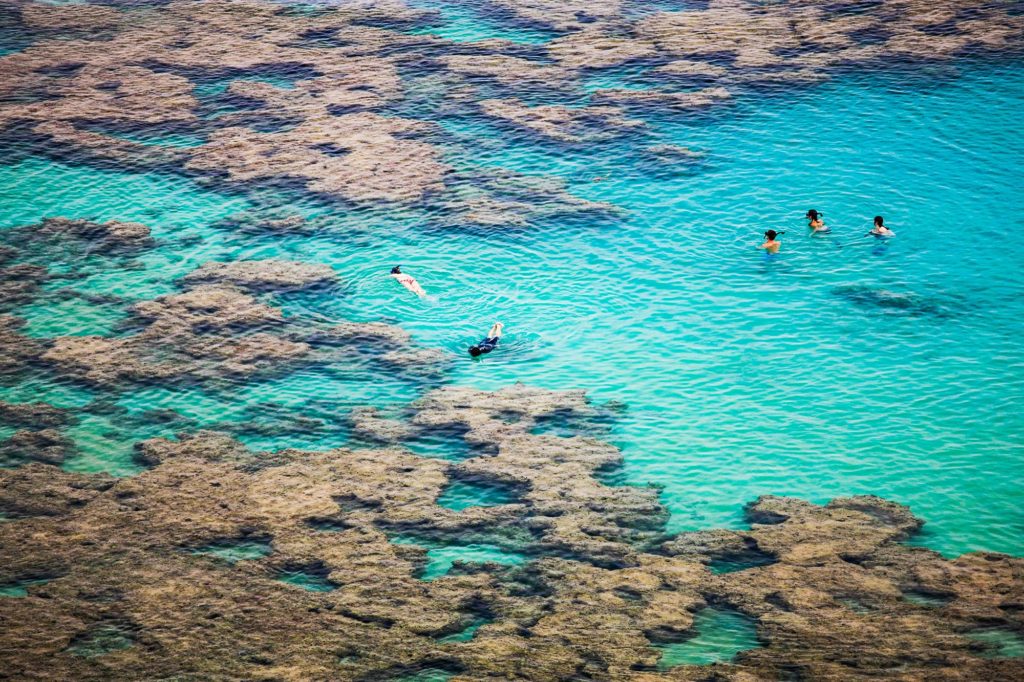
(489, 342)
(408, 281)
(771, 244)
(815, 222)
(880, 230)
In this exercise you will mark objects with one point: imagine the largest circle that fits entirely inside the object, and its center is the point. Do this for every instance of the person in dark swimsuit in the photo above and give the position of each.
(489, 342)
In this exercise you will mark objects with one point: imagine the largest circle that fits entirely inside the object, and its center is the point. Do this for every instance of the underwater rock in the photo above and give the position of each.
(16, 351)
(890, 301)
(45, 445)
(591, 601)
(369, 425)
(110, 236)
(19, 284)
(209, 331)
(495, 197)
(562, 15)
(565, 124)
(34, 415)
(686, 68)
(594, 49)
(99, 147)
(356, 157)
(698, 99)
(508, 71)
(264, 275)
(362, 332)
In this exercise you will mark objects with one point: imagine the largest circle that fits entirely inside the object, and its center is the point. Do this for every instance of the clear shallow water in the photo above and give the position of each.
(719, 637)
(842, 366)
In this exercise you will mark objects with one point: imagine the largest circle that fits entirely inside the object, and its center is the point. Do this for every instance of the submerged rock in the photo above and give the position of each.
(565, 124)
(598, 589)
(260, 275)
(34, 415)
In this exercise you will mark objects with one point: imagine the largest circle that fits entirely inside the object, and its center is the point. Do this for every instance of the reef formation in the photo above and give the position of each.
(135, 578)
(218, 561)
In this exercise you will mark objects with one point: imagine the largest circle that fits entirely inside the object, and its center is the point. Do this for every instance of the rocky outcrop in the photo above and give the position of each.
(110, 237)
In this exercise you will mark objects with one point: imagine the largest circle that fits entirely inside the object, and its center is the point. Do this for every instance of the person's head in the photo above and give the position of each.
(397, 270)
(770, 235)
(475, 351)
(879, 221)
(813, 215)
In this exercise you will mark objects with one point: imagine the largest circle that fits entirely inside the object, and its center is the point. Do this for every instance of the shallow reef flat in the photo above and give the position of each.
(221, 562)
(321, 100)
(510, 557)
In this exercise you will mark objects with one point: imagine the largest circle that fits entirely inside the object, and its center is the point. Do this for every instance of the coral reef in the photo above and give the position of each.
(263, 275)
(184, 569)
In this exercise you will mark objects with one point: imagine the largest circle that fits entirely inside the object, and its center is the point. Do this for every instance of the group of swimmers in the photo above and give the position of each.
(771, 244)
(485, 345)
(817, 225)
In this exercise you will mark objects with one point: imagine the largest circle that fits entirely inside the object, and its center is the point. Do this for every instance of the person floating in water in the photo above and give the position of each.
(771, 244)
(489, 342)
(880, 230)
(408, 281)
(815, 222)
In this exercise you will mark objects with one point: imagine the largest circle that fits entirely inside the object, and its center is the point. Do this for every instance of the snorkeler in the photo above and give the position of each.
(489, 342)
(771, 244)
(880, 230)
(408, 281)
(815, 222)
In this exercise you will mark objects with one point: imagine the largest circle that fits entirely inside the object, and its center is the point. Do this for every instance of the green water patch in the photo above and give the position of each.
(102, 445)
(720, 635)
(440, 558)
(235, 550)
(445, 443)
(19, 588)
(312, 578)
(567, 424)
(927, 600)
(999, 642)
(101, 639)
(428, 674)
(463, 494)
(35, 188)
(69, 317)
(469, 22)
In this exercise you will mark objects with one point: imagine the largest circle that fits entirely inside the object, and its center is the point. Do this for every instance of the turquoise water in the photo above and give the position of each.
(440, 558)
(842, 366)
(720, 636)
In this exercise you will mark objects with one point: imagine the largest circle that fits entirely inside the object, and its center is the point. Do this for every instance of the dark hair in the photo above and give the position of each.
(879, 220)
(475, 351)
(397, 270)
(813, 215)
(772, 234)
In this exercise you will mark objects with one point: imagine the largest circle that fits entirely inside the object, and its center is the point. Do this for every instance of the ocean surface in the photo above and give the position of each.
(843, 365)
